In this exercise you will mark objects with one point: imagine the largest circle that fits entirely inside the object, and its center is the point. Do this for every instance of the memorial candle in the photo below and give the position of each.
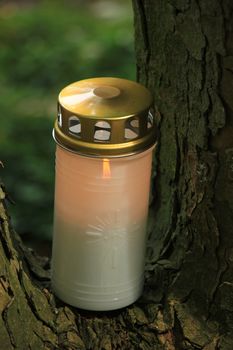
(105, 136)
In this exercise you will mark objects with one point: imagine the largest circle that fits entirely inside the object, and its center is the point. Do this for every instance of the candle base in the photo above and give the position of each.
(99, 298)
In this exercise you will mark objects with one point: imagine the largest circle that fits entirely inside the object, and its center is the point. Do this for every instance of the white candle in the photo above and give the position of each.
(105, 134)
(100, 217)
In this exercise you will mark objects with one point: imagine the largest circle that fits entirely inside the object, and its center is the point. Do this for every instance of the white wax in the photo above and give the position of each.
(100, 217)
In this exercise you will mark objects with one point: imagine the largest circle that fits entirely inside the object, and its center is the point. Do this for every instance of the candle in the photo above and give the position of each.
(101, 206)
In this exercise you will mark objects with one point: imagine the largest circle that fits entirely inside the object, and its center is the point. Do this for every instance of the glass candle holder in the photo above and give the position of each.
(105, 135)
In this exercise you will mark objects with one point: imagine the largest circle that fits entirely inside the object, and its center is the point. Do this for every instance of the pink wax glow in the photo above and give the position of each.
(100, 217)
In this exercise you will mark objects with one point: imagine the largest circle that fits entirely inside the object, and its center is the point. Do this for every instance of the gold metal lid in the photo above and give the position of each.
(105, 117)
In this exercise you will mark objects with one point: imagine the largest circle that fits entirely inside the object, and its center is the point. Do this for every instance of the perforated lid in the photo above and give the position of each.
(105, 117)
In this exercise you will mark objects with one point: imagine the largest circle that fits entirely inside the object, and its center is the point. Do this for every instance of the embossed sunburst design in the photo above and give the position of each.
(110, 231)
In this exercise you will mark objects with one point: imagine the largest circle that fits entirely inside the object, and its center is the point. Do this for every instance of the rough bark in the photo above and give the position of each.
(184, 54)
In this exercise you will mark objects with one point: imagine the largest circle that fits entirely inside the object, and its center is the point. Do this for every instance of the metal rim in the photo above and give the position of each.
(105, 117)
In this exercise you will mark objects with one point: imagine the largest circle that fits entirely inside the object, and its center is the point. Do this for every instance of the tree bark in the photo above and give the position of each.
(184, 54)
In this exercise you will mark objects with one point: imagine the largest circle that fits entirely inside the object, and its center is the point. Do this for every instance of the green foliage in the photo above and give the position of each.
(51, 44)
(44, 46)
(29, 172)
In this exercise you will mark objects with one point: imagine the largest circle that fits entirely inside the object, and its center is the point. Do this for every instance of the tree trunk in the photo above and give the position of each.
(184, 54)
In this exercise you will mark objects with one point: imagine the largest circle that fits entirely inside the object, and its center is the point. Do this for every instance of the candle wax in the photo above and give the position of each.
(100, 217)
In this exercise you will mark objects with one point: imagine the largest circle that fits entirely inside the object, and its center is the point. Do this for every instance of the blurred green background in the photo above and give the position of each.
(45, 45)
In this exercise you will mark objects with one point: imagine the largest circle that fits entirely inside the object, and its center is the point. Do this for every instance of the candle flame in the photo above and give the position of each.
(106, 169)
